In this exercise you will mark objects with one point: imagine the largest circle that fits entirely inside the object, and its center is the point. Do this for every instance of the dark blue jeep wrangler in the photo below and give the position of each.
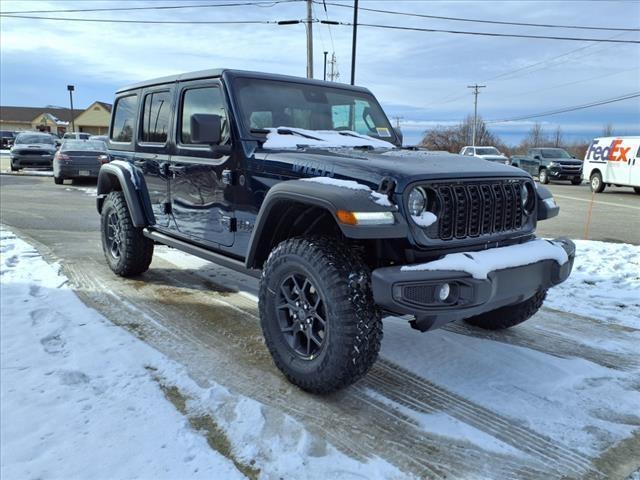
(304, 184)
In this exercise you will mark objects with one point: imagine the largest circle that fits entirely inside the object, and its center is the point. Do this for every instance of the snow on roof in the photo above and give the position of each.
(287, 137)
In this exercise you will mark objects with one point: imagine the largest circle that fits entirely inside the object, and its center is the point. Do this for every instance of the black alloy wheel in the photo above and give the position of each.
(302, 315)
(114, 235)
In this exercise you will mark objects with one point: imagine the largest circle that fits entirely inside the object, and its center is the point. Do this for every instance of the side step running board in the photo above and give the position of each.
(201, 252)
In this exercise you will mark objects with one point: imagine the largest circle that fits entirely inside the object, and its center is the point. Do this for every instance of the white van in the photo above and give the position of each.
(613, 161)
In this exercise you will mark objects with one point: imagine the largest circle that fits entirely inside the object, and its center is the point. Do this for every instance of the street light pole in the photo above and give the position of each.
(353, 42)
(309, 26)
(476, 91)
(71, 88)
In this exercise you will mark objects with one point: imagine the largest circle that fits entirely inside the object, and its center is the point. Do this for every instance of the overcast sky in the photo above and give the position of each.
(419, 76)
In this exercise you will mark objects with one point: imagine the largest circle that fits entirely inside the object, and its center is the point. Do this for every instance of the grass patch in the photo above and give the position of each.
(216, 437)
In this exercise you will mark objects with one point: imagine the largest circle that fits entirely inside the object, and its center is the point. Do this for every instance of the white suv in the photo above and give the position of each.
(486, 153)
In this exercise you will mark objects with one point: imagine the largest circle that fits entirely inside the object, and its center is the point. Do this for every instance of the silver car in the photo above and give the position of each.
(486, 153)
(32, 149)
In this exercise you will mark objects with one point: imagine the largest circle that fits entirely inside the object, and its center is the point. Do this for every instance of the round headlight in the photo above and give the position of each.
(527, 195)
(417, 202)
(524, 194)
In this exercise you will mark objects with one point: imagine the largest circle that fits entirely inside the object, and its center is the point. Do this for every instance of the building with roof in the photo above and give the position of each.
(95, 119)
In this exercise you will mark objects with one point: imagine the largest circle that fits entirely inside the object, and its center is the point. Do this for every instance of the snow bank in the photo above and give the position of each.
(604, 283)
(479, 264)
(83, 398)
(378, 198)
(320, 138)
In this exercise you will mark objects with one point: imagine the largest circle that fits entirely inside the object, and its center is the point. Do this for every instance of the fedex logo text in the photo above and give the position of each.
(613, 153)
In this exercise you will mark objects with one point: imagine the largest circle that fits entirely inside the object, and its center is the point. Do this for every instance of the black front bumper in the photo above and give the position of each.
(20, 160)
(415, 292)
(565, 173)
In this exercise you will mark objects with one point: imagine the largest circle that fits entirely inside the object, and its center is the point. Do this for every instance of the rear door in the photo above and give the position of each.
(153, 148)
(200, 186)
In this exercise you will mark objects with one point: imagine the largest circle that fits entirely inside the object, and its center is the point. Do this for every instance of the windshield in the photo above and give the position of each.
(91, 145)
(554, 153)
(274, 104)
(487, 151)
(34, 138)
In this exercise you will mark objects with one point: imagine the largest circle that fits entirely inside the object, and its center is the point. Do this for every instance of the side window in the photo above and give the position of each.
(124, 119)
(201, 100)
(155, 117)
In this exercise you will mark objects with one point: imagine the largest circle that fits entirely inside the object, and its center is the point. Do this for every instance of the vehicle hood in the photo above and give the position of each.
(370, 167)
(34, 146)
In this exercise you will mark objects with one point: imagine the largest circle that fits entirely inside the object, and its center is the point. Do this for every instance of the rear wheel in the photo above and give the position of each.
(317, 313)
(576, 181)
(597, 185)
(127, 250)
(543, 176)
(510, 315)
(637, 190)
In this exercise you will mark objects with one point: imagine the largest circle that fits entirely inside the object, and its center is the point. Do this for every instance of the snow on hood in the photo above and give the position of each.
(378, 198)
(276, 138)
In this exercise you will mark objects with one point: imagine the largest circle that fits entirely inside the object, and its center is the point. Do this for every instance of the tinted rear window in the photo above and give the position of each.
(155, 120)
(124, 119)
(34, 138)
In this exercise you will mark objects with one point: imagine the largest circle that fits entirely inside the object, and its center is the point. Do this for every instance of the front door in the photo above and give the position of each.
(201, 195)
(152, 153)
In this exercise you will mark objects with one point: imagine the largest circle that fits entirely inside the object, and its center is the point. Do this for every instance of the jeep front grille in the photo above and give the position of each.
(476, 208)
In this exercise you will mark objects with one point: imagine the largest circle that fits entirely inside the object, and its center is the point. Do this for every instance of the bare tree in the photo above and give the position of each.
(536, 136)
(607, 130)
(557, 137)
(452, 139)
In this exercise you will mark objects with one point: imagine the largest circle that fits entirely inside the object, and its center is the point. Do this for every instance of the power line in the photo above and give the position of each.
(149, 22)
(569, 109)
(494, 22)
(263, 3)
(486, 34)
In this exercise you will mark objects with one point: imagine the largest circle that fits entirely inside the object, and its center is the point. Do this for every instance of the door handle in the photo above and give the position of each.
(139, 163)
(177, 168)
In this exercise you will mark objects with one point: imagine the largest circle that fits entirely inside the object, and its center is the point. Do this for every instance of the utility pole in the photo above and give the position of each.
(324, 73)
(397, 119)
(476, 91)
(353, 42)
(71, 88)
(309, 26)
(333, 75)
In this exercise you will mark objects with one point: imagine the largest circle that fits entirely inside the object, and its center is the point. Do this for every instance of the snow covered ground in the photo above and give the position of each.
(83, 398)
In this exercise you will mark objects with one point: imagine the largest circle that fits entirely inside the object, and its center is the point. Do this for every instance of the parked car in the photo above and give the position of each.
(486, 153)
(32, 149)
(79, 159)
(550, 164)
(295, 181)
(6, 139)
(102, 138)
(613, 161)
(76, 136)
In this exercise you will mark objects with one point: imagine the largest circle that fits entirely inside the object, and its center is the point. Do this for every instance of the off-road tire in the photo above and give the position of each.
(510, 315)
(543, 176)
(576, 181)
(136, 251)
(354, 326)
(58, 180)
(596, 183)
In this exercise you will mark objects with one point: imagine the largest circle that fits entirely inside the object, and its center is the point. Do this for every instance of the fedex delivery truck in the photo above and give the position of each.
(613, 161)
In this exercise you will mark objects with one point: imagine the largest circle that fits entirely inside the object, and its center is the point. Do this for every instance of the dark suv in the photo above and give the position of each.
(550, 163)
(302, 183)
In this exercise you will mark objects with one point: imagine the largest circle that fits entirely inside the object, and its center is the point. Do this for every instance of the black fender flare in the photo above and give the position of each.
(330, 198)
(547, 209)
(122, 175)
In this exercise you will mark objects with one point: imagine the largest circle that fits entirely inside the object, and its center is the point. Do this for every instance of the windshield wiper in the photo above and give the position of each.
(288, 131)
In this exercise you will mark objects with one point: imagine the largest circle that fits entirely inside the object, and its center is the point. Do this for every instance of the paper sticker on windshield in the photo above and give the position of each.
(383, 132)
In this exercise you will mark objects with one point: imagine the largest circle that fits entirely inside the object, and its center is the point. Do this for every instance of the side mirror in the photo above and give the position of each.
(398, 133)
(206, 128)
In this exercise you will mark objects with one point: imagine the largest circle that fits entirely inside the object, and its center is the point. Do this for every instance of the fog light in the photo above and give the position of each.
(443, 292)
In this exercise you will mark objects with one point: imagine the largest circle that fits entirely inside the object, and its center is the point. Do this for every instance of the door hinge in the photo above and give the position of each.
(229, 223)
(228, 177)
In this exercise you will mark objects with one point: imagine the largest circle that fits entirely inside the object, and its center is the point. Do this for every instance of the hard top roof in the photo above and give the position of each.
(218, 72)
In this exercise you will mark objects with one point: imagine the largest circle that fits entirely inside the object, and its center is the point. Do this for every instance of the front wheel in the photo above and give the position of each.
(510, 315)
(637, 190)
(576, 181)
(58, 180)
(597, 185)
(543, 176)
(317, 313)
(127, 250)
(14, 168)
